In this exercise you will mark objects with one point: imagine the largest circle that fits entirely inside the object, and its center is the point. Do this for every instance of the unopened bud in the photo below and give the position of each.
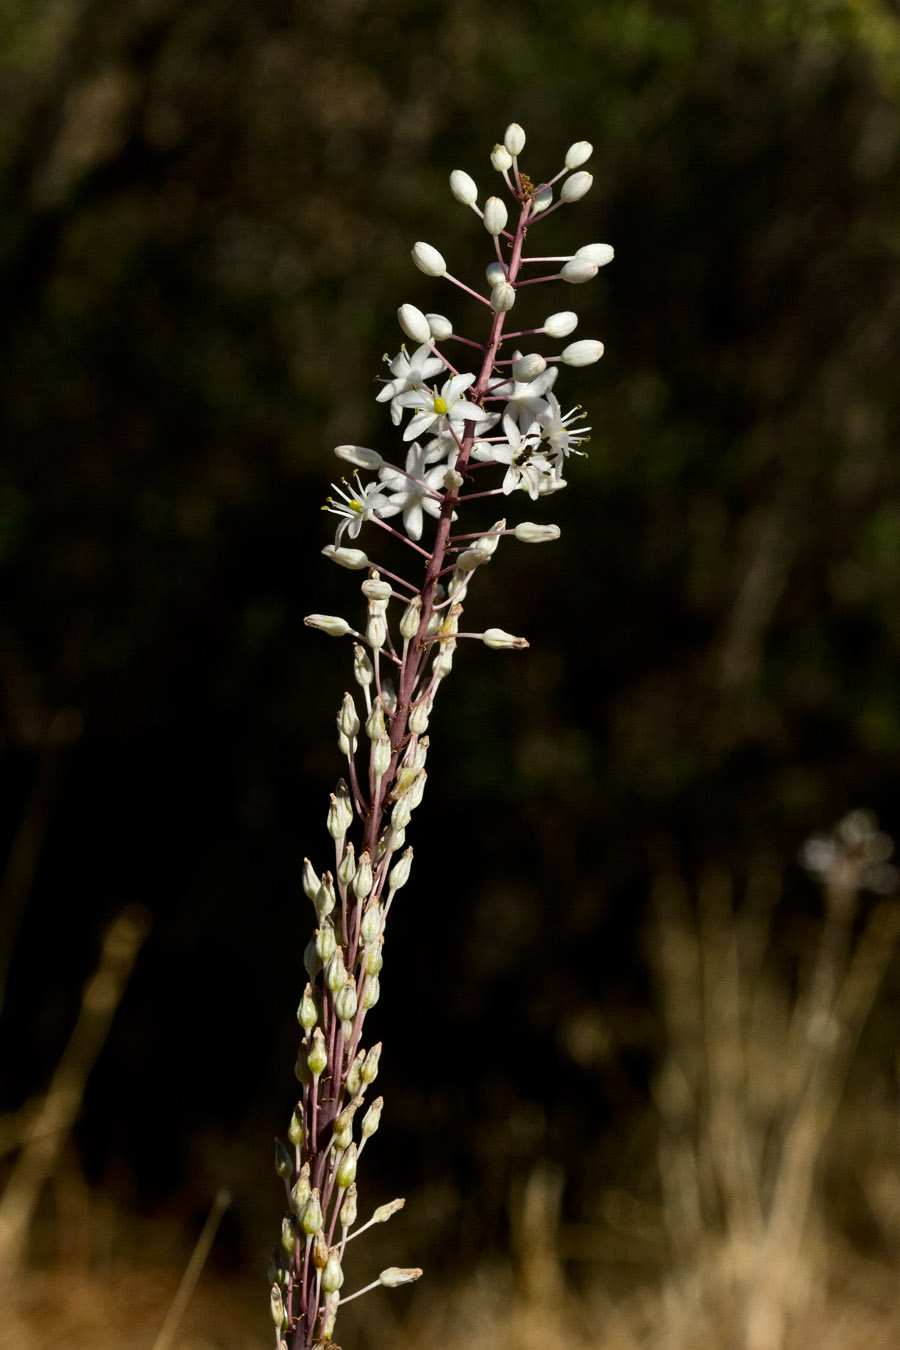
(318, 1054)
(325, 941)
(310, 881)
(276, 1304)
(348, 721)
(346, 1168)
(373, 588)
(347, 866)
(295, 1130)
(578, 270)
(311, 1220)
(369, 1070)
(575, 186)
(359, 455)
(307, 1012)
(503, 297)
(311, 963)
(354, 1079)
(300, 1191)
(501, 159)
(370, 925)
(345, 1000)
(385, 1212)
(335, 974)
(527, 532)
(409, 624)
(373, 958)
(348, 1207)
(363, 669)
(470, 558)
(284, 1163)
(463, 187)
(376, 628)
(362, 881)
(399, 873)
(288, 1236)
(498, 639)
(541, 199)
(561, 325)
(397, 1275)
(418, 724)
(414, 324)
(331, 624)
(371, 993)
(375, 727)
(601, 254)
(494, 272)
(514, 139)
(440, 325)
(495, 215)
(332, 1275)
(429, 261)
(583, 353)
(340, 813)
(381, 756)
(352, 558)
(402, 812)
(578, 154)
(528, 367)
(372, 1119)
(320, 1250)
(325, 899)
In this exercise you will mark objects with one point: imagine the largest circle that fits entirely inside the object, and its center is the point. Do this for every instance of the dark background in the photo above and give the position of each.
(207, 210)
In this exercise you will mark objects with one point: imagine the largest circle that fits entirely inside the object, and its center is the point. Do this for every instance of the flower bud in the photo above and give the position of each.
(498, 639)
(562, 324)
(575, 186)
(320, 1249)
(328, 623)
(373, 588)
(347, 866)
(369, 1069)
(541, 199)
(317, 1057)
(300, 1191)
(399, 874)
(409, 624)
(389, 695)
(470, 558)
(385, 1212)
(578, 270)
(348, 1208)
(414, 324)
(360, 456)
(325, 898)
(362, 882)
(501, 159)
(370, 927)
(371, 993)
(348, 721)
(332, 1275)
(418, 723)
(601, 254)
(402, 812)
(503, 297)
(307, 1012)
(276, 1304)
(335, 975)
(284, 1163)
(488, 542)
(514, 139)
(527, 368)
(363, 670)
(311, 963)
(494, 272)
(295, 1131)
(372, 1119)
(325, 941)
(354, 1078)
(352, 558)
(583, 353)
(340, 813)
(311, 1219)
(417, 753)
(397, 1275)
(310, 881)
(578, 154)
(346, 1168)
(441, 327)
(374, 958)
(381, 756)
(463, 187)
(495, 215)
(529, 533)
(429, 261)
(345, 1000)
(376, 628)
(301, 1069)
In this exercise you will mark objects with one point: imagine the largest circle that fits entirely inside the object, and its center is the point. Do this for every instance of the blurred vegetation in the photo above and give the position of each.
(207, 211)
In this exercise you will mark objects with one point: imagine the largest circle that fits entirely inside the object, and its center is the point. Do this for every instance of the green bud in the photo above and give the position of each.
(417, 754)
(402, 813)
(370, 927)
(300, 1191)
(399, 874)
(343, 1138)
(373, 588)
(375, 727)
(345, 1000)
(418, 718)
(308, 1012)
(409, 624)
(354, 1078)
(372, 1119)
(373, 958)
(335, 972)
(325, 898)
(348, 1208)
(325, 940)
(295, 1130)
(332, 1275)
(370, 1064)
(346, 1168)
(371, 993)
(318, 1055)
(340, 813)
(347, 866)
(362, 881)
(311, 1219)
(310, 880)
(328, 1321)
(284, 1163)
(347, 720)
(381, 756)
(301, 1069)
(276, 1303)
(417, 791)
(320, 1250)
(311, 963)
(288, 1236)
(276, 1271)
(363, 670)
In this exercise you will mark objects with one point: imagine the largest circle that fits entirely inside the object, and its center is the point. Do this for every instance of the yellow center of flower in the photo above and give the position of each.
(354, 504)
(440, 406)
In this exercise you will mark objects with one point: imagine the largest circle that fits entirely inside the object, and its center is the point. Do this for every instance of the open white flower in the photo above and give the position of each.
(524, 398)
(360, 503)
(409, 372)
(556, 430)
(415, 490)
(446, 410)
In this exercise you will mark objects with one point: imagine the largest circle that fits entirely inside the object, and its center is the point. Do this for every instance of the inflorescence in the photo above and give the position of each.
(502, 416)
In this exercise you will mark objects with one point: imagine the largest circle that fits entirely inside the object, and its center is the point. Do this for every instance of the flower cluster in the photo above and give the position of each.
(503, 416)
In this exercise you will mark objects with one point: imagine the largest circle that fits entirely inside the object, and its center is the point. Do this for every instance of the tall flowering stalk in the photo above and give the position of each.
(462, 425)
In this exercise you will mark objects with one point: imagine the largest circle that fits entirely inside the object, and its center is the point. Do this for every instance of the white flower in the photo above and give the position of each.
(524, 398)
(556, 431)
(409, 372)
(442, 411)
(414, 491)
(361, 503)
